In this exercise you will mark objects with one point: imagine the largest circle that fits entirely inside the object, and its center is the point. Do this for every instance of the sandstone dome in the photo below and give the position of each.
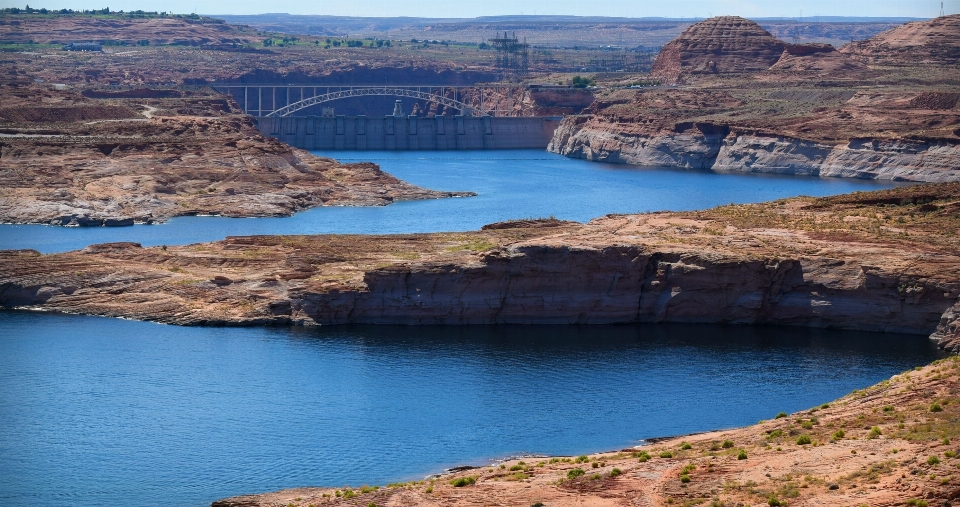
(719, 45)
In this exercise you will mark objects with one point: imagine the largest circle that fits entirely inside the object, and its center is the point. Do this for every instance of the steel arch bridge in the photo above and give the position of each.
(464, 108)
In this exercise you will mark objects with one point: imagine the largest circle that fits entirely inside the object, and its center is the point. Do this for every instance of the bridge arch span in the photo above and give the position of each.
(463, 107)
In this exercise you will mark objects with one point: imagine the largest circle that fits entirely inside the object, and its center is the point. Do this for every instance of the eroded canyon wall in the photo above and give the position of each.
(717, 148)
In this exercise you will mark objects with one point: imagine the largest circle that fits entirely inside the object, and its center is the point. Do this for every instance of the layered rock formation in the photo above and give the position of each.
(720, 45)
(724, 149)
(806, 112)
(818, 59)
(845, 262)
(934, 41)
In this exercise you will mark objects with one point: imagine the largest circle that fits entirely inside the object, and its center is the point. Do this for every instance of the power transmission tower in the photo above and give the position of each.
(511, 53)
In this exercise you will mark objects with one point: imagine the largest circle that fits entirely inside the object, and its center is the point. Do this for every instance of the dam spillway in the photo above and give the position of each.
(410, 132)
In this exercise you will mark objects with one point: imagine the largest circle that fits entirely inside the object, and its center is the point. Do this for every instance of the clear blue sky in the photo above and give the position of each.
(473, 8)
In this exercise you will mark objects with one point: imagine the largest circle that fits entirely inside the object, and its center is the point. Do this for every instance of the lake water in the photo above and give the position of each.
(97, 411)
(510, 184)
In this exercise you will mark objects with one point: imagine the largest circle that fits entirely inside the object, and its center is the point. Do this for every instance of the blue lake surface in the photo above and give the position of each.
(98, 411)
(510, 184)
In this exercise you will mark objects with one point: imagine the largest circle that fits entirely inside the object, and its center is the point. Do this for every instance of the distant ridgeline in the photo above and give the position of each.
(107, 13)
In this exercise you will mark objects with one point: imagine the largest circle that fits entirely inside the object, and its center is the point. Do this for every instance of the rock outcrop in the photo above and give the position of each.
(723, 149)
(144, 159)
(720, 45)
(807, 110)
(845, 262)
(818, 59)
(935, 41)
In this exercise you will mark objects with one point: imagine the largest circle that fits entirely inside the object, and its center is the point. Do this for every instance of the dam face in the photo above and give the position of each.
(410, 132)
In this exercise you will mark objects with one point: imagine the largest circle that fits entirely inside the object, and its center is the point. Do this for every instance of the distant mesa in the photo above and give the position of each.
(936, 40)
(720, 45)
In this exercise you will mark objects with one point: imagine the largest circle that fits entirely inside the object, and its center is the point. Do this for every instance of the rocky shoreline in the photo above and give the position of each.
(74, 160)
(718, 148)
(890, 444)
(878, 261)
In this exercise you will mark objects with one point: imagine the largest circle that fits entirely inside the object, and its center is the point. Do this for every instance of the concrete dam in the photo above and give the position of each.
(410, 132)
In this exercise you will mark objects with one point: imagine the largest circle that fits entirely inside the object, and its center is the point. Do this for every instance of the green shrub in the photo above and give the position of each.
(936, 408)
(666, 454)
(742, 454)
(615, 472)
(464, 481)
(874, 433)
(916, 502)
(807, 425)
(372, 504)
(429, 489)
(776, 433)
(685, 446)
(514, 468)
(595, 465)
(727, 444)
(643, 456)
(538, 504)
(781, 415)
(576, 472)
(594, 477)
(839, 434)
(933, 460)
(581, 82)
(684, 478)
(773, 501)
(687, 469)
(581, 459)
(888, 408)
(825, 405)
(950, 454)
(803, 440)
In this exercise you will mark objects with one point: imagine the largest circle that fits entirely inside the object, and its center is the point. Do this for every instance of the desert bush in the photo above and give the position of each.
(463, 481)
